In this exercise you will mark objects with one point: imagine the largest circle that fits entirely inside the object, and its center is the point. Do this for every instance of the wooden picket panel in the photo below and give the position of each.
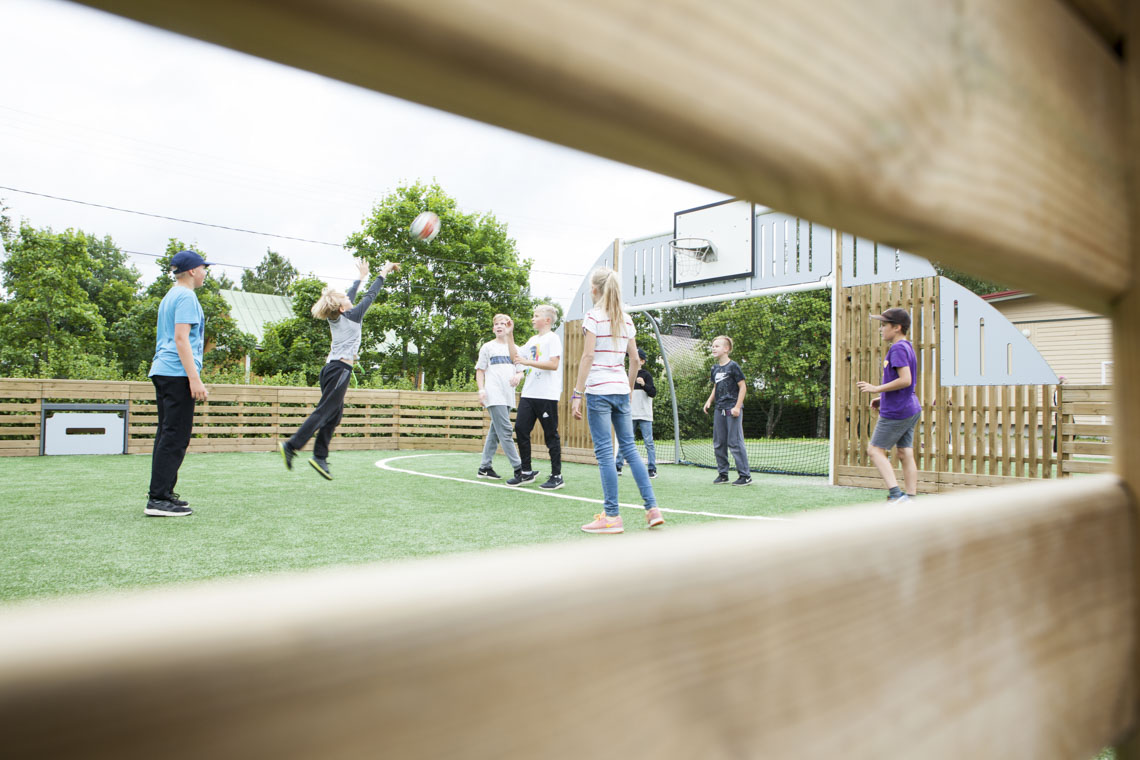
(253, 418)
(1083, 401)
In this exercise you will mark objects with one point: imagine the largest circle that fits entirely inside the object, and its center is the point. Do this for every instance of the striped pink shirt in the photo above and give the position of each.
(608, 375)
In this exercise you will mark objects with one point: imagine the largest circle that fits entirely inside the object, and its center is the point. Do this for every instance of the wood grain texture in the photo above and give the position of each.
(989, 136)
(991, 626)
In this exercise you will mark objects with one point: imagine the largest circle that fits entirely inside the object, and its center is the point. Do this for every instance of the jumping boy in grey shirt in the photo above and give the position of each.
(345, 322)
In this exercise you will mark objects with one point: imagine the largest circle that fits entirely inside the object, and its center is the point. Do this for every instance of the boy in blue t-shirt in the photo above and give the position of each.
(179, 339)
(898, 407)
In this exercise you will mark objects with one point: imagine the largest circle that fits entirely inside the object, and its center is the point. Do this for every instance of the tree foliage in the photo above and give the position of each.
(440, 304)
(272, 275)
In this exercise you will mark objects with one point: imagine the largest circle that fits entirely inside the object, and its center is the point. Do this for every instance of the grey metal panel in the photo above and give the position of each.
(645, 274)
(979, 346)
(788, 251)
(582, 301)
(866, 262)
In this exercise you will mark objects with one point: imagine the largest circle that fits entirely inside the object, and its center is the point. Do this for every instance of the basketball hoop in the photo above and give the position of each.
(690, 254)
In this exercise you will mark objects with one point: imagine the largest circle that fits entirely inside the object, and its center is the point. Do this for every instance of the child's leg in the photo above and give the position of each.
(720, 441)
(599, 411)
(491, 442)
(325, 434)
(910, 470)
(883, 465)
(623, 428)
(524, 424)
(736, 444)
(501, 425)
(334, 384)
(175, 424)
(548, 417)
(647, 436)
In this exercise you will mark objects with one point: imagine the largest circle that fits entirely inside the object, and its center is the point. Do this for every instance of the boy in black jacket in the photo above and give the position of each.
(641, 407)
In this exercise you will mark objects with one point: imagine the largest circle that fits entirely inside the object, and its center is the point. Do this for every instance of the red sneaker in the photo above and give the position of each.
(653, 517)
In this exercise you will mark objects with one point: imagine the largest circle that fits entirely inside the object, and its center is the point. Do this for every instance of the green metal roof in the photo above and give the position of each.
(253, 311)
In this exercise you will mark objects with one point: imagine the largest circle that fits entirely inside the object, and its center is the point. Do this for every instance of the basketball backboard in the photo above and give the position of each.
(729, 226)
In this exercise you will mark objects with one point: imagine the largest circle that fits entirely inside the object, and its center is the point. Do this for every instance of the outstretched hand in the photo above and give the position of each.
(361, 268)
(388, 268)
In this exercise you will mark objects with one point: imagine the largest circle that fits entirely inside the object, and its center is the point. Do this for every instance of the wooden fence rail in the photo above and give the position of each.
(255, 417)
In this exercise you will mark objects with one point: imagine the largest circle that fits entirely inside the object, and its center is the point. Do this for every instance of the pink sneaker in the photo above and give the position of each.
(604, 524)
(653, 517)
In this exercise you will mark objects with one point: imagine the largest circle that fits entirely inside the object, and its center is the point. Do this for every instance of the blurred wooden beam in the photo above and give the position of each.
(1105, 17)
(987, 135)
(991, 625)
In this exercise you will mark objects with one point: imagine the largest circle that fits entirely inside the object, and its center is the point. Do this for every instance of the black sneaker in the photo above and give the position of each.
(287, 453)
(618, 471)
(553, 484)
(489, 472)
(527, 477)
(163, 508)
(652, 473)
(173, 499)
(322, 467)
(720, 479)
(743, 480)
(517, 480)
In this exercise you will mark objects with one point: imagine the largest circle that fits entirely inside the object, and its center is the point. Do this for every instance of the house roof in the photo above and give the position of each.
(1005, 295)
(253, 311)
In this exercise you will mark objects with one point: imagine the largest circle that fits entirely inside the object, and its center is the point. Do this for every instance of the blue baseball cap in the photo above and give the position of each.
(184, 261)
(641, 354)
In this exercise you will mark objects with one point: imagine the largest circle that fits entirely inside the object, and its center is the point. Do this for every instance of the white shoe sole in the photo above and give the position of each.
(160, 513)
(606, 530)
(545, 487)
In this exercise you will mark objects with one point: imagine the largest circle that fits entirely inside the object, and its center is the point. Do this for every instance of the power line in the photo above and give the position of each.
(255, 232)
(406, 284)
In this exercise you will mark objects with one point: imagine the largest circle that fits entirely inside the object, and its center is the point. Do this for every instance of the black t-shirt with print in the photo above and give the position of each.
(726, 378)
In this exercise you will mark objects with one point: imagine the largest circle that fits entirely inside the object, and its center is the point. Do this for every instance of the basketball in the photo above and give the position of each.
(426, 226)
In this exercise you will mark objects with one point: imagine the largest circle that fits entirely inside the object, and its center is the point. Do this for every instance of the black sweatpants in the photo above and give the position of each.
(545, 412)
(175, 423)
(324, 419)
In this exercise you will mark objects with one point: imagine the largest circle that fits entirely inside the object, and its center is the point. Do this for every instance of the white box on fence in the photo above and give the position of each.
(84, 433)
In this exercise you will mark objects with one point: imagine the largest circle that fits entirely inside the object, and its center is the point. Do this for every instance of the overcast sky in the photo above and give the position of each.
(100, 109)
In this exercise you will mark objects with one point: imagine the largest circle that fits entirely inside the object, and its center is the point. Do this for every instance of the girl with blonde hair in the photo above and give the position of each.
(345, 322)
(606, 386)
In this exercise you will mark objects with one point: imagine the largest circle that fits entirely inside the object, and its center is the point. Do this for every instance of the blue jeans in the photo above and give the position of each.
(646, 428)
(604, 412)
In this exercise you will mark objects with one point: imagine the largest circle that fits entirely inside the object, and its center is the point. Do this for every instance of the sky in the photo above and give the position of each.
(103, 110)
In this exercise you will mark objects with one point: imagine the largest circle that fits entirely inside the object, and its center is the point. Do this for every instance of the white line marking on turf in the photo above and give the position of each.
(383, 465)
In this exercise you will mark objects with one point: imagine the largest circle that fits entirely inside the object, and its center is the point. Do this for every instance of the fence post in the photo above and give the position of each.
(1060, 434)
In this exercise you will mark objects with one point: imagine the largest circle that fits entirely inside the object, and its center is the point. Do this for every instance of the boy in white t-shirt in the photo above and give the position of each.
(542, 355)
(495, 376)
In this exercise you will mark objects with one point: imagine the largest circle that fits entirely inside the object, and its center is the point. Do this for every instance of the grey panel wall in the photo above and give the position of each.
(866, 262)
(979, 346)
(787, 251)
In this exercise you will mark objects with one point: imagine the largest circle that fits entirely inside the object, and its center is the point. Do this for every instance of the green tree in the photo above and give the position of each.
(272, 275)
(783, 344)
(135, 334)
(442, 301)
(50, 327)
(969, 282)
(112, 282)
(297, 344)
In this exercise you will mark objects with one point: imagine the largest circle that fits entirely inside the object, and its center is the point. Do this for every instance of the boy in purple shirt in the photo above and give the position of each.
(898, 407)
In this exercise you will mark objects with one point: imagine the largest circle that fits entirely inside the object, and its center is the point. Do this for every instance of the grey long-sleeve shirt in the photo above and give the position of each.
(346, 328)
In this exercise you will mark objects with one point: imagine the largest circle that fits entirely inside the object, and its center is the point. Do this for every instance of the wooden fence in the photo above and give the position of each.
(1084, 431)
(967, 435)
(255, 417)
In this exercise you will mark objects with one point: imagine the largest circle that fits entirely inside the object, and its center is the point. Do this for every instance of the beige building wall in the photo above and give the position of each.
(1075, 343)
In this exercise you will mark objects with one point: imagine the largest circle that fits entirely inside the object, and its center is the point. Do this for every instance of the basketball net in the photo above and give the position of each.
(689, 255)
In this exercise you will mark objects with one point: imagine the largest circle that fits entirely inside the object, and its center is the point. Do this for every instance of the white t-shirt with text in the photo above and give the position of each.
(542, 383)
(495, 361)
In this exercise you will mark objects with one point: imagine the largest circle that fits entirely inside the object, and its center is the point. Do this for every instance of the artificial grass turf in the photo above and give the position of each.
(71, 525)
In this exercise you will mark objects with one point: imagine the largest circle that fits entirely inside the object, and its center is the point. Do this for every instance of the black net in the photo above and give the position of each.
(783, 345)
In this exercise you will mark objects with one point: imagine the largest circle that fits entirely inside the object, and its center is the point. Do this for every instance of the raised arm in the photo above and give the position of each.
(356, 313)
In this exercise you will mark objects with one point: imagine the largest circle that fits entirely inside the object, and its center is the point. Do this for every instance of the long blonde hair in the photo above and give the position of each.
(604, 281)
(328, 305)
